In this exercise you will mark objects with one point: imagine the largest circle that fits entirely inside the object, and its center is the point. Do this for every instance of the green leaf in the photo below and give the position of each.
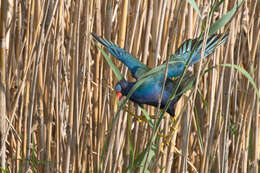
(247, 75)
(149, 158)
(119, 76)
(131, 148)
(141, 158)
(102, 154)
(5, 170)
(202, 98)
(194, 5)
(147, 116)
(215, 6)
(224, 19)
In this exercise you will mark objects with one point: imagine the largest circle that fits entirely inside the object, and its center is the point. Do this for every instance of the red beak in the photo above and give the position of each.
(119, 95)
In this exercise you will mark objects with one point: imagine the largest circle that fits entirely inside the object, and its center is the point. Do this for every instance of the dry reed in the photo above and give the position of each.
(56, 89)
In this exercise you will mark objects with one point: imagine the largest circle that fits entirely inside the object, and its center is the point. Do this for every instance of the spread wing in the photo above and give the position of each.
(190, 48)
(135, 66)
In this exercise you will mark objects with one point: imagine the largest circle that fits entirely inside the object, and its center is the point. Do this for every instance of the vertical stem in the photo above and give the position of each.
(123, 25)
(96, 88)
(40, 92)
(3, 81)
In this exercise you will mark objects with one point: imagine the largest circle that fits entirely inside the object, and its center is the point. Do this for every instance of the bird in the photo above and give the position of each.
(149, 91)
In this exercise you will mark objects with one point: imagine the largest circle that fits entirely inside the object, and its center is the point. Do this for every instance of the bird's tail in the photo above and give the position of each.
(116, 51)
(104, 42)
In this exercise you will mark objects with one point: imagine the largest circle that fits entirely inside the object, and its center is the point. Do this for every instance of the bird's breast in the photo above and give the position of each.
(148, 93)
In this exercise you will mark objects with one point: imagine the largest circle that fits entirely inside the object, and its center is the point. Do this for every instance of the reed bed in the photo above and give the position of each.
(58, 106)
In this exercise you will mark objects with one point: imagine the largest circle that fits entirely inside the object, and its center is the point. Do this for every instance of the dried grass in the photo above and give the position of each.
(59, 94)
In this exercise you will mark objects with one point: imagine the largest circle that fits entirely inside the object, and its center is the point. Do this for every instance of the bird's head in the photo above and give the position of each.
(121, 88)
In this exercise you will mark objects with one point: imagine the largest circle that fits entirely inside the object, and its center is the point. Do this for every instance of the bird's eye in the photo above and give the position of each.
(118, 87)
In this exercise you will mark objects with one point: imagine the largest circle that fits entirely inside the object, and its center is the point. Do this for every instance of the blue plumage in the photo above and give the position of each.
(136, 67)
(149, 91)
(183, 53)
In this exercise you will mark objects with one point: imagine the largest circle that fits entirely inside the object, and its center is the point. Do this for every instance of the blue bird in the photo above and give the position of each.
(149, 91)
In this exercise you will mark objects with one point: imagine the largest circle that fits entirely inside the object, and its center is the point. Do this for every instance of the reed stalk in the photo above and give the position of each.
(58, 106)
